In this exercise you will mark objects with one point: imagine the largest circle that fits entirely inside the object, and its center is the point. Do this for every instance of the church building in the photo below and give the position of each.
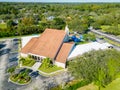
(53, 44)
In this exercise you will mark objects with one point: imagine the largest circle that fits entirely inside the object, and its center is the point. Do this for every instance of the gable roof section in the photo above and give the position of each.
(64, 52)
(47, 44)
(26, 49)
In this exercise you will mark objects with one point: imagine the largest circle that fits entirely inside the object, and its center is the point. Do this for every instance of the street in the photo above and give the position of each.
(106, 35)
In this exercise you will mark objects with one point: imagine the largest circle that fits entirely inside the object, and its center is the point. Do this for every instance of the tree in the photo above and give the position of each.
(58, 23)
(28, 21)
(80, 25)
(89, 37)
(10, 24)
(46, 63)
(100, 67)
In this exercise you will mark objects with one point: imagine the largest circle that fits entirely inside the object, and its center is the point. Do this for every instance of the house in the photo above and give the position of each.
(52, 44)
(50, 18)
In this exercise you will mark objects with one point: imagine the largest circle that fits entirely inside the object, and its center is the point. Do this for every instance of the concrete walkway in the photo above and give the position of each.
(36, 66)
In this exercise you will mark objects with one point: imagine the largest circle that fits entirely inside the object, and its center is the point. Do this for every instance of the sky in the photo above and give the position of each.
(59, 0)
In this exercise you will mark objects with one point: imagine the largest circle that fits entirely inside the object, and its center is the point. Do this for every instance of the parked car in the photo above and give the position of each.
(110, 46)
(34, 74)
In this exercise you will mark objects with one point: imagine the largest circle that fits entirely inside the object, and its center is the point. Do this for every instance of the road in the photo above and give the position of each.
(106, 35)
(8, 59)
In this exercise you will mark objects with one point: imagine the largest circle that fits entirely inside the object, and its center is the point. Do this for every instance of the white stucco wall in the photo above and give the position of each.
(36, 55)
(60, 64)
(23, 55)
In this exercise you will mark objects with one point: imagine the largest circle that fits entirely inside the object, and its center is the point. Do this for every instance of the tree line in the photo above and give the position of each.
(77, 16)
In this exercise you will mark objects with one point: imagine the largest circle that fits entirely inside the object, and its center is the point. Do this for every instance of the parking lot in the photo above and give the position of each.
(9, 57)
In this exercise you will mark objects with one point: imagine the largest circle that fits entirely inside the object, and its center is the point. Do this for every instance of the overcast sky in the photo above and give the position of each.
(59, 0)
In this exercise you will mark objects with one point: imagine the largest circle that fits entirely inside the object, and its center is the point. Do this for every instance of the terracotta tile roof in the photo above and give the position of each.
(64, 52)
(47, 44)
(26, 49)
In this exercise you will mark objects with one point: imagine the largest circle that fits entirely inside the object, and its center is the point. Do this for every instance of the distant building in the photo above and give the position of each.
(50, 18)
(2, 21)
(52, 44)
(16, 21)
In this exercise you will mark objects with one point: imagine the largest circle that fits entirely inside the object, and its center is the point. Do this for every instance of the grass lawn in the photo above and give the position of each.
(49, 69)
(114, 85)
(112, 42)
(89, 87)
(27, 62)
(105, 26)
(3, 26)
(83, 42)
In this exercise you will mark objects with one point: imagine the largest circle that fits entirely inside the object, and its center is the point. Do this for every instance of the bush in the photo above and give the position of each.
(27, 61)
(48, 67)
(21, 78)
(11, 69)
(89, 37)
(76, 85)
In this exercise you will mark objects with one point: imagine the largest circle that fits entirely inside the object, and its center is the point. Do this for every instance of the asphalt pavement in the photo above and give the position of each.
(114, 38)
(8, 58)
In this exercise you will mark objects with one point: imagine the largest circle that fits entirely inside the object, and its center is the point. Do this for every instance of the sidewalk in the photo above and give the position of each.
(36, 66)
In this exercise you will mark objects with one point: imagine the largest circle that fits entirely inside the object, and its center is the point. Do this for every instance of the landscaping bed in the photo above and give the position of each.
(48, 67)
(21, 78)
(27, 62)
(82, 42)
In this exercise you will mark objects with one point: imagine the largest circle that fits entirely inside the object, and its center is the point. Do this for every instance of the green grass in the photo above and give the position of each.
(21, 78)
(27, 62)
(114, 85)
(49, 69)
(112, 42)
(3, 26)
(57, 88)
(83, 42)
(89, 87)
(76, 85)
(106, 27)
